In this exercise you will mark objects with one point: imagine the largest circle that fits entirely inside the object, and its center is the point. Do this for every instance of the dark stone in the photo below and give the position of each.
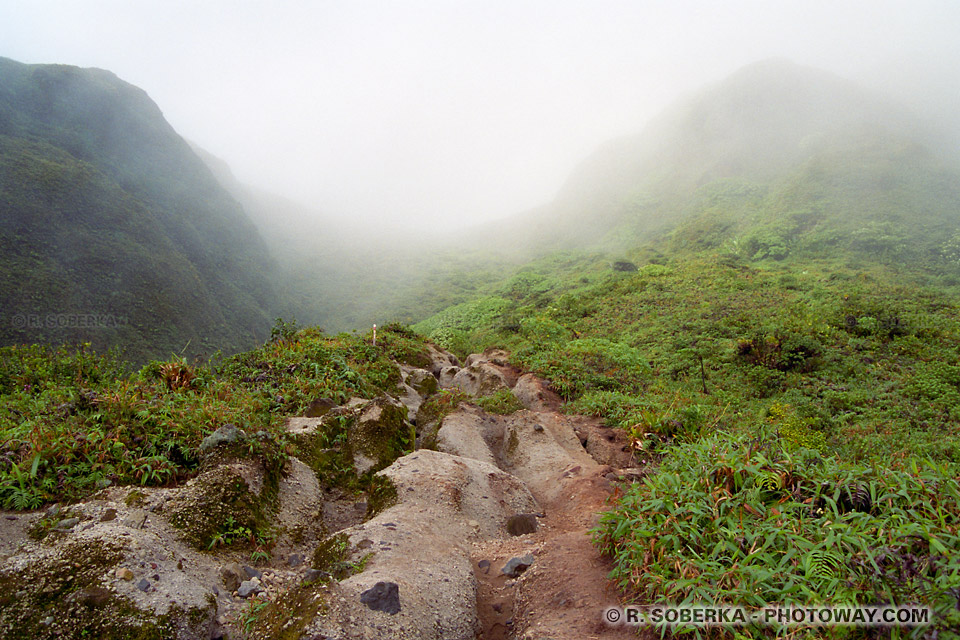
(67, 524)
(143, 585)
(521, 524)
(383, 596)
(108, 515)
(251, 572)
(227, 434)
(94, 597)
(516, 566)
(248, 588)
(485, 565)
(314, 575)
(295, 560)
(319, 407)
(623, 265)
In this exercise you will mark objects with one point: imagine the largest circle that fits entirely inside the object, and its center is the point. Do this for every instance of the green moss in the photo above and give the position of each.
(66, 596)
(380, 432)
(286, 617)
(217, 497)
(332, 555)
(513, 441)
(502, 402)
(135, 498)
(381, 496)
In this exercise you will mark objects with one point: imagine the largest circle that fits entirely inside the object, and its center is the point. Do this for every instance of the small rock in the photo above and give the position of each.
(125, 574)
(485, 565)
(12, 518)
(316, 574)
(248, 588)
(143, 585)
(538, 428)
(135, 519)
(516, 566)
(319, 407)
(47, 621)
(252, 573)
(227, 434)
(108, 515)
(53, 511)
(383, 596)
(295, 560)
(67, 523)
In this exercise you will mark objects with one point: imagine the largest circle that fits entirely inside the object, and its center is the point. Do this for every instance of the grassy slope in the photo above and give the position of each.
(791, 354)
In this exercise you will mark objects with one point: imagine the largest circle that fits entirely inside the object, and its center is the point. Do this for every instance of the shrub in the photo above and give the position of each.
(748, 522)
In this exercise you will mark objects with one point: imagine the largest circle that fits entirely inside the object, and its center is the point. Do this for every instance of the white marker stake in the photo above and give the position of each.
(374, 335)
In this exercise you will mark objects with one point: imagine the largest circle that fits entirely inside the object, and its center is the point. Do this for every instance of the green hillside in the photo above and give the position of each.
(112, 231)
(776, 324)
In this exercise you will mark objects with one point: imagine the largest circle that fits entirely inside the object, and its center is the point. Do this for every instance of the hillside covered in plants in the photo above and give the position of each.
(112, 231)
(787, 350)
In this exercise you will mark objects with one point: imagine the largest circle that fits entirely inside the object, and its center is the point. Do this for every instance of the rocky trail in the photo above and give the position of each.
(488, 536)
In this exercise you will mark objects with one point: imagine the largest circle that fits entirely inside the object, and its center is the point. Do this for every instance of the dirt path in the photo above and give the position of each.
(566, 590)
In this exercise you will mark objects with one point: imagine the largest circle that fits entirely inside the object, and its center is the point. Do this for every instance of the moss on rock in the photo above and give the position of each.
(67, 594)
(379, 435)
(212, 500)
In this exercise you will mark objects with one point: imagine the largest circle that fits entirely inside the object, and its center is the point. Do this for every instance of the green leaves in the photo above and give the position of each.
(761, 523)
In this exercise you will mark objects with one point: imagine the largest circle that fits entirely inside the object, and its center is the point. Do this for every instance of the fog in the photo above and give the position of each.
(446, 113)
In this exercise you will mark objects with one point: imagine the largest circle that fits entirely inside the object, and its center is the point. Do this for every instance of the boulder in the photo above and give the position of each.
(422, 381)
(535, 394)
(379, 434)
(516, 566)
(446, 375)
(439, 359)
(480, 379)
(225, 435)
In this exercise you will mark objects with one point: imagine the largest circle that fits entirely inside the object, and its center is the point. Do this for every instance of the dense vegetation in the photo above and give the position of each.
(786, 350)
(74, 422)
(111, 230)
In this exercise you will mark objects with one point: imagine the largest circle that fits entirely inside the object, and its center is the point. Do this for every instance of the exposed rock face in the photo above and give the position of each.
(440, 359)
(135, 559)
(446, 376)
(422, 544)
(534, 394)
(108, 577)
(479, 379)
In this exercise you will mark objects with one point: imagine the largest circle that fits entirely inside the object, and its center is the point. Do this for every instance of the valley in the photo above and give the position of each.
(720, 367)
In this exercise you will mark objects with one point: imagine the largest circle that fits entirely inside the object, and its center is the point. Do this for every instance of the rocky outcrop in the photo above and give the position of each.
(398, 562)
(535, 394)
(422, 545)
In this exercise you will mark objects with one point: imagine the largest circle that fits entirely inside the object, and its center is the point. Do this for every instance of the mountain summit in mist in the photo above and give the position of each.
(760, 124)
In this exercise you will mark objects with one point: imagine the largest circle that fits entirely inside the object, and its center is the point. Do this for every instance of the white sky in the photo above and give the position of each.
(446, 111)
